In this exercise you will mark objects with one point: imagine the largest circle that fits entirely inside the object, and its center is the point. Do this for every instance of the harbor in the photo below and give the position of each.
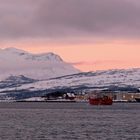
(93, 98)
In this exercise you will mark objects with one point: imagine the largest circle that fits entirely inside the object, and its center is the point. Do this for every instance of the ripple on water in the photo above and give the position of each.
(40, 121)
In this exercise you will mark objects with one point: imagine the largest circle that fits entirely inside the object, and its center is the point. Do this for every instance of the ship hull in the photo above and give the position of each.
(137, 99)
(100, 101)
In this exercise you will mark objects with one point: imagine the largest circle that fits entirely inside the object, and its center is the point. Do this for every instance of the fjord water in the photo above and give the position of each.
(69, 121)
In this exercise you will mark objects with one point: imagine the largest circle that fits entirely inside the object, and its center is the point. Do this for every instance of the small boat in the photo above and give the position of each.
(105, 100)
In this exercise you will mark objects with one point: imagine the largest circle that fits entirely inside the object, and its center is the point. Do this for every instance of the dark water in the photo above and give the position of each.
(69, 121)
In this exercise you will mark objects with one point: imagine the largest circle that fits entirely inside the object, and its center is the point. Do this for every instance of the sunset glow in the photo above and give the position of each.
(90, 34)
(90, 56)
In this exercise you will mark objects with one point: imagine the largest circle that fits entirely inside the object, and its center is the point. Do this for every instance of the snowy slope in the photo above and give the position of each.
(37, 66)
(99, 80)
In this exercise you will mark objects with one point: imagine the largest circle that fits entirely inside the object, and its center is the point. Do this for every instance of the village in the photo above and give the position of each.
(84, 96)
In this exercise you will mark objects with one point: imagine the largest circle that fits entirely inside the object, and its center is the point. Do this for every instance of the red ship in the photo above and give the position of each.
(105, 100)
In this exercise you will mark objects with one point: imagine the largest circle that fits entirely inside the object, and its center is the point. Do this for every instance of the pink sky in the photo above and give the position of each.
(88, 56)
(90, 34)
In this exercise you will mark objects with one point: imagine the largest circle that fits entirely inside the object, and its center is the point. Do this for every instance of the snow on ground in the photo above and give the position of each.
(119, 78)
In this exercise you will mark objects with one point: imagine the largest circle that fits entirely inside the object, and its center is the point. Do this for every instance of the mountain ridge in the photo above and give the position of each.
(113, 81)
(29, 75)
(37, 66)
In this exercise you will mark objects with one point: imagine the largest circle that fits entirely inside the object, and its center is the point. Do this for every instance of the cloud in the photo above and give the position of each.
(54, 19)
(98, 62)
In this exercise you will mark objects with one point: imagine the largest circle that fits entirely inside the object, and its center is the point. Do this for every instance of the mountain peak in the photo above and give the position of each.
(49, 56)
(36, 66)
(14, 50)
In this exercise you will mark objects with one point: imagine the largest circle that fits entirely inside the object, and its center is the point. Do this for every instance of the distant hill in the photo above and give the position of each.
(109, 80)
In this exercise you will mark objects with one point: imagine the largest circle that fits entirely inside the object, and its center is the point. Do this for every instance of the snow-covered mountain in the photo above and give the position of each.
(93, 80)
(115, 80)
(37, 66)
(24, 75)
